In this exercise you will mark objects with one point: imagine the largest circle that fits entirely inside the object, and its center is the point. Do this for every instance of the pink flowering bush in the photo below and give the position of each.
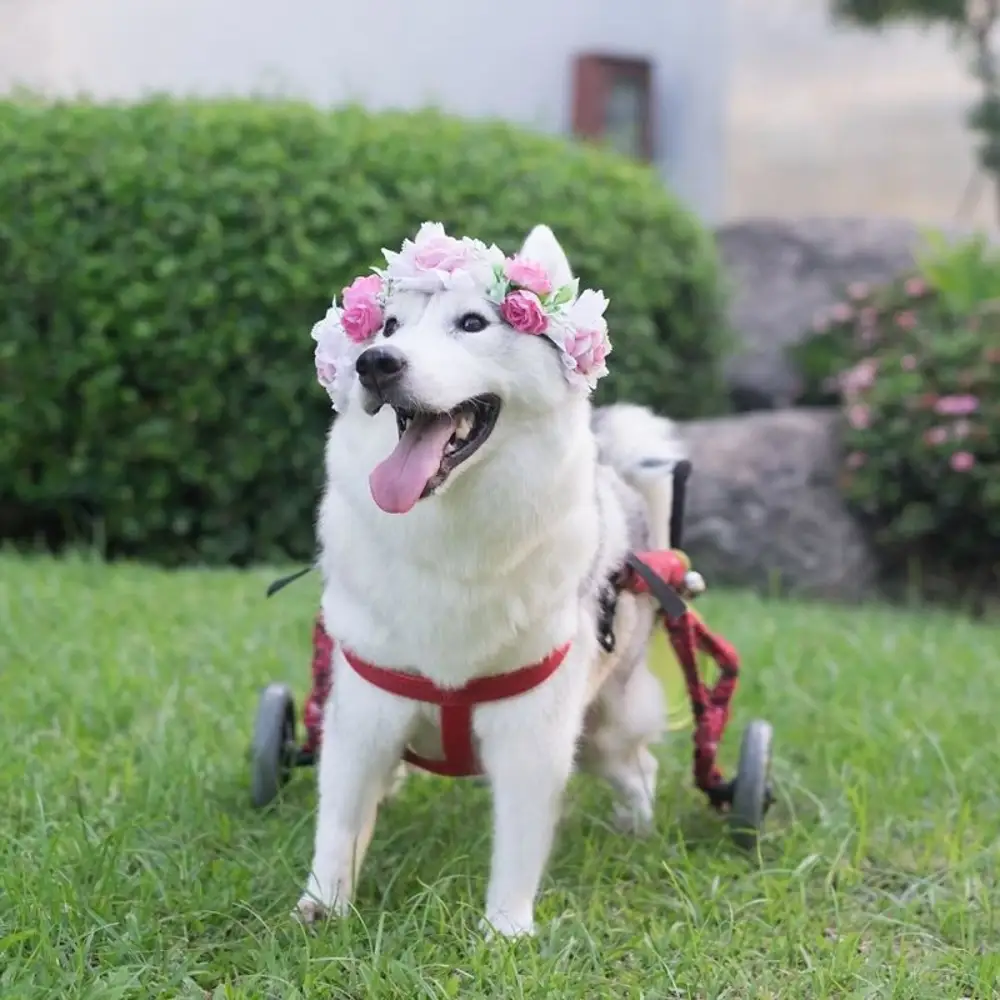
(916, 367)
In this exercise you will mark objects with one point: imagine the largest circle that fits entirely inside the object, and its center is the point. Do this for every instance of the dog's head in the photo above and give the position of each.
(455, 337)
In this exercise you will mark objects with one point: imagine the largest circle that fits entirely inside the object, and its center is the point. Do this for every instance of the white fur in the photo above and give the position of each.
(494, 571)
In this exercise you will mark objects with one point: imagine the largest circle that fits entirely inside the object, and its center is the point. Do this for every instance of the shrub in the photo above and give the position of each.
(918, 372)
(163, 263)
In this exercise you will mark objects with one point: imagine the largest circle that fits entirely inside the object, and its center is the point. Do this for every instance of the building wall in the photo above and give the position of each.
(825, 119)
(471, 57)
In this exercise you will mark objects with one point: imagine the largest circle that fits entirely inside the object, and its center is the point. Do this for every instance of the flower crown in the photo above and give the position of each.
(434, 262)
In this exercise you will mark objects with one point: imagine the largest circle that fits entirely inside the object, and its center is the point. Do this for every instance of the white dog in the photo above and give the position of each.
(475, 514)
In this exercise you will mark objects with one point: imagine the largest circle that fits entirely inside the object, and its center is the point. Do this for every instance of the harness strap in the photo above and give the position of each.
(456, 704)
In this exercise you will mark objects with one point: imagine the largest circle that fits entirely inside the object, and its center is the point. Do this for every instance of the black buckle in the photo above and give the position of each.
(608, 604)
(669, 600)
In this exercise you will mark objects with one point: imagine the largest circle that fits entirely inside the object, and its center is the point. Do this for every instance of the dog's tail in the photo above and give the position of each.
(644, 449)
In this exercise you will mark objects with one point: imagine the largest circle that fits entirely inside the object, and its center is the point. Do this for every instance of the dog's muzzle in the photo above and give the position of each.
(380, 372)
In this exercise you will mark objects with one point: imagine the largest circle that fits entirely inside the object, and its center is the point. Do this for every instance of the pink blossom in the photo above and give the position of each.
(957, 406)
(908, 363)
(859, 416)
(362, 314)
(524, 312)
(906, 320)
(935, 436)
(440, 253)
(528, 275)
(856, 459)
(915, 287)
(868, 316)
(858, 290)
(841, 313)
(820, 324)
(859, 378)
(962, 461)
(588, 348)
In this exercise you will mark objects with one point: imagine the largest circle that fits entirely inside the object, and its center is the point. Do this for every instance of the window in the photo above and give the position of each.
(612, 102)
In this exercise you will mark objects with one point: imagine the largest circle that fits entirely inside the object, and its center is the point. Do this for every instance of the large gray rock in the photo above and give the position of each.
(781, 273)
(763, 508)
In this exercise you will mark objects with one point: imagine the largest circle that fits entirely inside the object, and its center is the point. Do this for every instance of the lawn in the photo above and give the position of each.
(131, 864)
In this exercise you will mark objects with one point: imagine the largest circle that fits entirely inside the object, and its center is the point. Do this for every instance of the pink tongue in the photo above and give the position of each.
(396, 483)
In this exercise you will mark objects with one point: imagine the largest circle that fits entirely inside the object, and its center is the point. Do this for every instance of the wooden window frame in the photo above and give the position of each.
(593, 77)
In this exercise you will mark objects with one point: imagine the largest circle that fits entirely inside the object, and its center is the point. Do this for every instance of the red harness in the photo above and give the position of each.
(689, 636)
(456, 705)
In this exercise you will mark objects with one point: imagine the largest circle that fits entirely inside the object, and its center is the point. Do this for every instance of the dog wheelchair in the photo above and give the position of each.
(665, 574)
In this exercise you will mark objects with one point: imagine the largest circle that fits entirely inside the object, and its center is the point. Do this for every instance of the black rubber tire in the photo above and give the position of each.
(273, 750)
(752, 794)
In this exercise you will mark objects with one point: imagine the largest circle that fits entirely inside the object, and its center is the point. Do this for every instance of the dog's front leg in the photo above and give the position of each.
(364, 731)
(527, 751)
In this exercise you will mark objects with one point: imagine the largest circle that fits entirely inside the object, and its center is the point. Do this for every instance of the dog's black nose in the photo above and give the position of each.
(380, 367)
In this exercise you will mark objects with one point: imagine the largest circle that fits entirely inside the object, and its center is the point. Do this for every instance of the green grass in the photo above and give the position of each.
(131, 864)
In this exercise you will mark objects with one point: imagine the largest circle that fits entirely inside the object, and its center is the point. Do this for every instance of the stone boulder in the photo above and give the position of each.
(763, 508)
(782, 272)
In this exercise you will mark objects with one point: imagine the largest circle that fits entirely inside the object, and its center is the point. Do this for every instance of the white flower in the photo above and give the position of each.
(335, 356)
(587, 312)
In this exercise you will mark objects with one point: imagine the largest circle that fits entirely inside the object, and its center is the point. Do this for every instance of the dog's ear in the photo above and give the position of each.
(542, 247)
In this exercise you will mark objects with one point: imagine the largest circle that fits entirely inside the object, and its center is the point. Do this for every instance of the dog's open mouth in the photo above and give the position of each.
(431, 446)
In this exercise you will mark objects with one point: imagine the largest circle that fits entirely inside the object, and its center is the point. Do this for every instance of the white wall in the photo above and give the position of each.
(826, 119)
(472, 57)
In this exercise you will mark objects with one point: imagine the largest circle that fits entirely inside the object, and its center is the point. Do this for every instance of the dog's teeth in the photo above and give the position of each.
(463, 428)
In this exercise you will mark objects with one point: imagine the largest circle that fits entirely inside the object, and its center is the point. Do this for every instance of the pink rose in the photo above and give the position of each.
(915, 287)
(935, 436)
(587, 348)
(841, 313)
(962, 461)
(859, 378)
(859, 416)
(856, 459)
(524, 312)
(858, 290)
(957, 406)
(361, 317)
(440, 253)
(908, 363)
(906, 320)
(528, 274)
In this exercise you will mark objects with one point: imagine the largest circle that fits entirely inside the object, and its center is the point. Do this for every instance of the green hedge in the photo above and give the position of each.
(161, 266)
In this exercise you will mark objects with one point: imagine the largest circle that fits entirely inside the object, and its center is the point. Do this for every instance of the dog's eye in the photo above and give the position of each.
(473, 323)
(390, 326)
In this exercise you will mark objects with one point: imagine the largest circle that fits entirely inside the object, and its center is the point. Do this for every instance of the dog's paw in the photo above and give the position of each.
(502, 925)
(309, 911)
(635, 822)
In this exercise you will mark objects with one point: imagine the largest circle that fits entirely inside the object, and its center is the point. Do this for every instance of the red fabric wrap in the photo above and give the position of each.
(322, 677)
(710, 706)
